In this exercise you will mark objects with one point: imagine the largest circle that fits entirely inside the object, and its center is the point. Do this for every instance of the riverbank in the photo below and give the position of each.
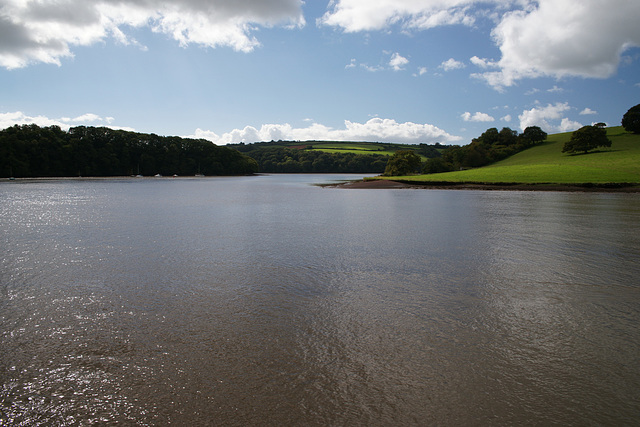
(587, 187)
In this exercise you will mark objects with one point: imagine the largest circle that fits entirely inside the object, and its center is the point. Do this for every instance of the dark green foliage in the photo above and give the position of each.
(587, 138)
(429, 151)
(289, 160)
(491, 146)
(403, 162)
(631, 119)
(435, 165)
(534, 135)
(32, 151)
(328, 156)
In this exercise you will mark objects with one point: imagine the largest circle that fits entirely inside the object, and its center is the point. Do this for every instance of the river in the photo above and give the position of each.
(267, 300)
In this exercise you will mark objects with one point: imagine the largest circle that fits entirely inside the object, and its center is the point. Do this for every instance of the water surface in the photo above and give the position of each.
(269, 301)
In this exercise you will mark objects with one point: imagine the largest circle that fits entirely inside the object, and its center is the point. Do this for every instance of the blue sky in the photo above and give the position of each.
(410, 71)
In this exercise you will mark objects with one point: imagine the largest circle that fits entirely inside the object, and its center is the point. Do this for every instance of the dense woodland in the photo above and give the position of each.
(304, 157)
(291, 160)
(33, 151)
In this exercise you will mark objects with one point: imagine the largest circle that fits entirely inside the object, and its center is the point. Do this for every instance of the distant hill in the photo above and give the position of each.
(545, 163)
(328, 156)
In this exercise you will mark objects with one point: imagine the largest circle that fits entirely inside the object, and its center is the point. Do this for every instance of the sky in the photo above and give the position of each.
(405, 71)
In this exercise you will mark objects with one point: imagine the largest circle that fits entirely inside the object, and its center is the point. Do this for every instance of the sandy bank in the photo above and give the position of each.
(387, 184)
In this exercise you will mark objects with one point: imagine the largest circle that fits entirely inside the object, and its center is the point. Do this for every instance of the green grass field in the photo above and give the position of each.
(356, 148)
(378, 148)
(546, 164)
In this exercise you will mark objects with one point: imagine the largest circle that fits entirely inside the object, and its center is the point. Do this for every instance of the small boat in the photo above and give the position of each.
(158, 175)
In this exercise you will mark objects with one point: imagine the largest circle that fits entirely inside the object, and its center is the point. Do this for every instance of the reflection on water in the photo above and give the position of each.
(268, 301)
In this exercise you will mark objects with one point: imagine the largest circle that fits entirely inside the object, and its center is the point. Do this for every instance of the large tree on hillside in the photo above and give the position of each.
(587, 138)
(534, 134)
(631, 119)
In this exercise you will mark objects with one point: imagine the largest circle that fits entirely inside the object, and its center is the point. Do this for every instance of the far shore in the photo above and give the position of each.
(390, 184)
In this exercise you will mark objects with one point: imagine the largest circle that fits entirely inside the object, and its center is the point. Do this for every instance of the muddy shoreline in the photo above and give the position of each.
(388, 184)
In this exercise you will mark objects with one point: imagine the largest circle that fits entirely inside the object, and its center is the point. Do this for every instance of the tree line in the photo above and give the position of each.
(290, 160)
(490, 147)
(33, 151)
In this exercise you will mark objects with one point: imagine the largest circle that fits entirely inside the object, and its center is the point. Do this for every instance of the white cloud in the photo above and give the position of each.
(45, 31)
(545, 117)
(398, 62)
(536, 38)
(422, 71)
(89, 119)
(587, 111)
(567, 125)
(506, 118)
(374, 130)
(451, 64)
(372, 68)
(561, 38)
(366, 15)
(477, 117)
(482, 62)
(85, 118)
(555, 89)
(351, 64)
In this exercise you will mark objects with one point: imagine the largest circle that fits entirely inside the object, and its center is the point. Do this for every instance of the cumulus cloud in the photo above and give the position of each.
(536, 38)
(88, 119)
(567, 125)
(559, 38)
(366, 15)
(45, 31)
(398, 62)
(374, 130)
(482, 62)
(451, 64)
(477, 117)
(545, 117)
(587, 111)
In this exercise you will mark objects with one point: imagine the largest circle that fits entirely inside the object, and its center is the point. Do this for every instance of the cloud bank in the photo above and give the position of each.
(374, 130)
(88, 119)
(45, 31)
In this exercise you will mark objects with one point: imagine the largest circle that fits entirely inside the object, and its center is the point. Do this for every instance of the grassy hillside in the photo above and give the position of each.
(546, 163)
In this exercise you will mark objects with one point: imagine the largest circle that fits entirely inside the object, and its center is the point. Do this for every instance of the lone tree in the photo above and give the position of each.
(403, 162)
(587, 138)
(631, 119)
(534, 134)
